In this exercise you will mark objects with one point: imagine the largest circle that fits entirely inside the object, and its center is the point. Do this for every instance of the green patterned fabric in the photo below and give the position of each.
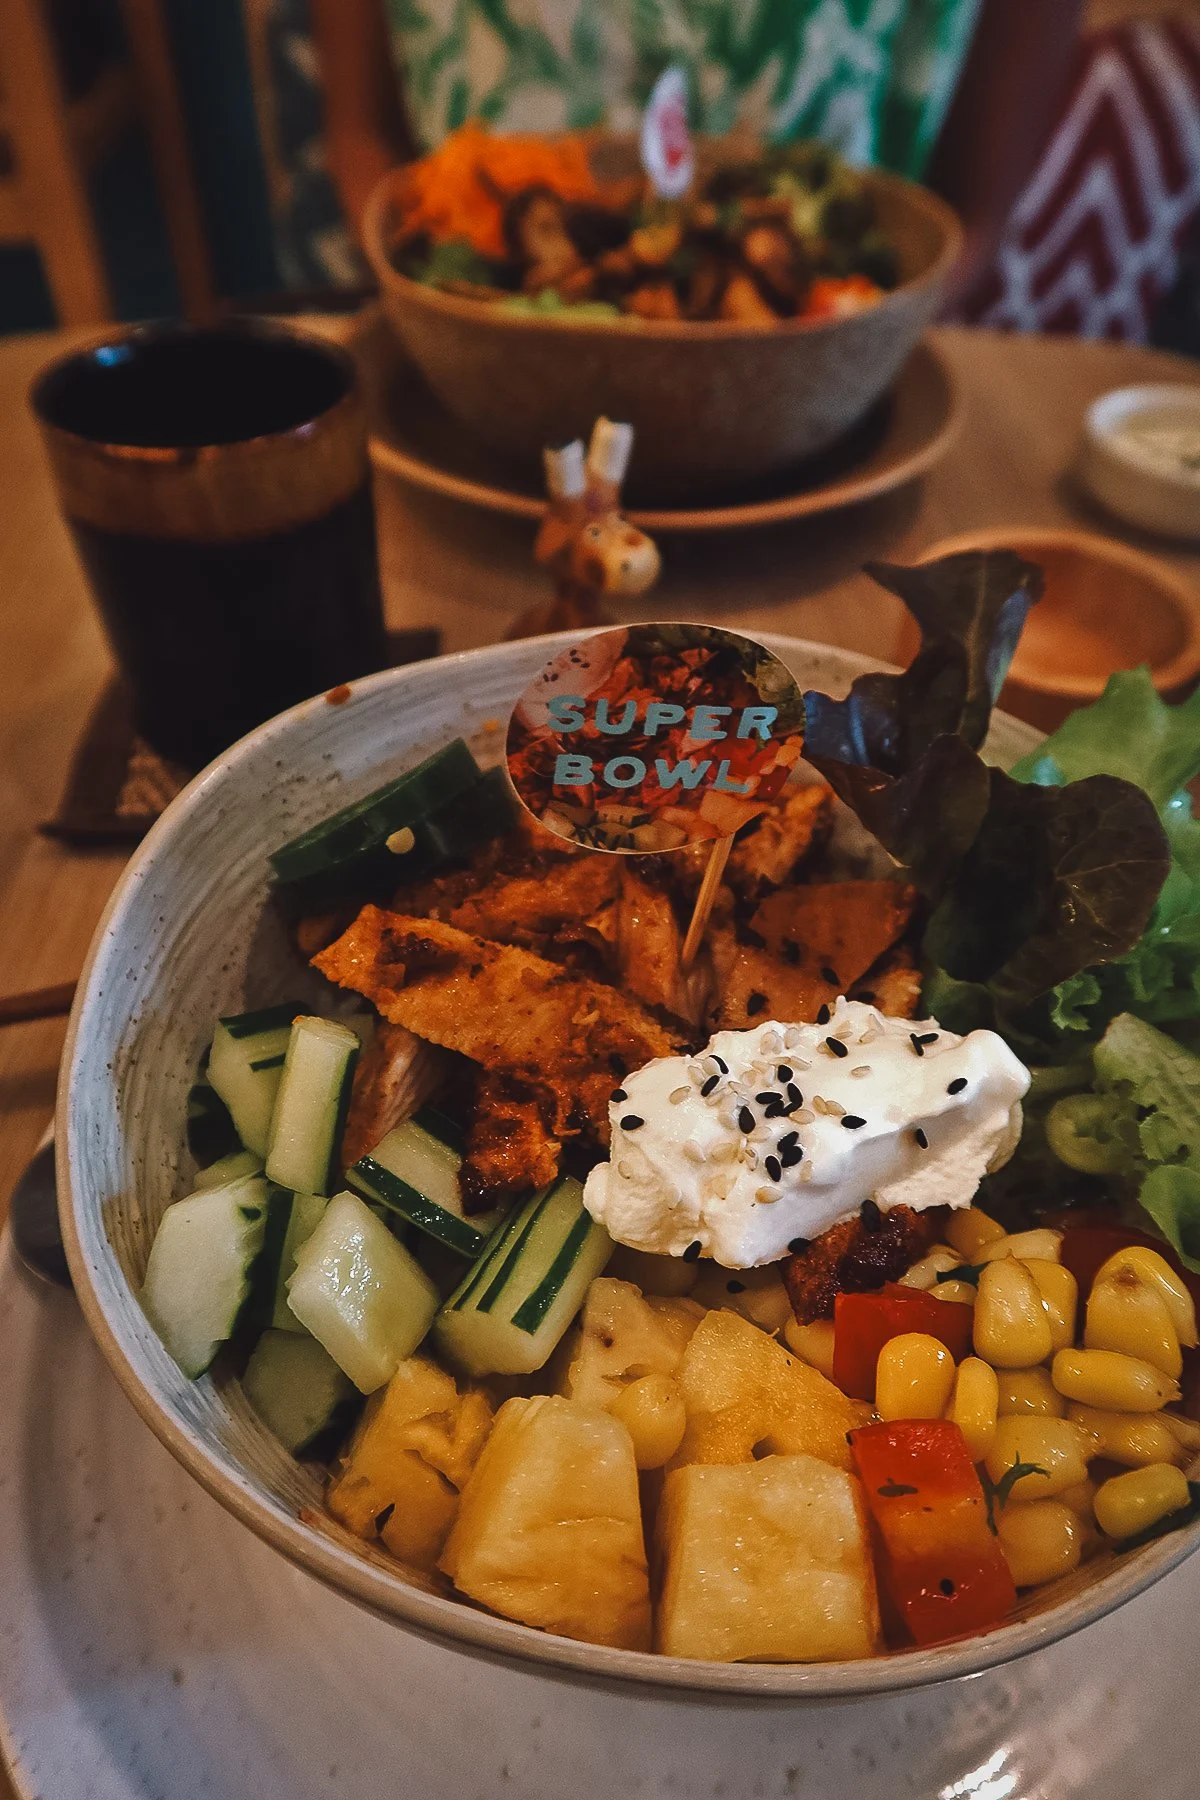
(873, 78)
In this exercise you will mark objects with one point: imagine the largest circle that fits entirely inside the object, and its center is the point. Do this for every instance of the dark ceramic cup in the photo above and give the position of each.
(217, 485)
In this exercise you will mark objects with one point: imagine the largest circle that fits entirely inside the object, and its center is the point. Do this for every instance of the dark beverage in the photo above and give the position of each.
(217, 486)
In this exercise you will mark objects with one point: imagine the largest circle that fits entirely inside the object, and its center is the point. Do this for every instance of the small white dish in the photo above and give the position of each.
(1135, 457)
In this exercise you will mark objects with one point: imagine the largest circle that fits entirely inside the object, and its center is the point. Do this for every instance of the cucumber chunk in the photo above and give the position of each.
(367, 822)
(414, 1174)
(298, 1392)
(361, 1294)
(305, 1212)
(311, 1104)
(199, 1275)
(228, 1168)
(244, 1068)
(513, 1306)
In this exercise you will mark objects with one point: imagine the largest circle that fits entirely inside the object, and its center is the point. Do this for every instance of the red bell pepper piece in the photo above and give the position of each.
(863, 1323)
(939, 1563)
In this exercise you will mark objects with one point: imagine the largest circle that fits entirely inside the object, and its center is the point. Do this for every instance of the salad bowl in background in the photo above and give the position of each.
(716, 405)
(188, 935)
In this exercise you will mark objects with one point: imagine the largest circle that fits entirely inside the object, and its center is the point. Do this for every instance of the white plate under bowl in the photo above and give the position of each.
(151, 1649)
(189, 935)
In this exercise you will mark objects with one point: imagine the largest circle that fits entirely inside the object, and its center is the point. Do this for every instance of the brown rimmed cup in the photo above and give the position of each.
(217, 485)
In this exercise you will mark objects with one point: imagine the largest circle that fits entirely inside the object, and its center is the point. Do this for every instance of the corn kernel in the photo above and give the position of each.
(940, 1260)
(973, 1405)
(1060, 1290)
(1187, 1431)
(1040, 1541)
(1045, 1244)
(813, 1344)
(1133, 1502)
(962, 1292)
(968, 1230)
(651, 1409)
(1030, 1392)
(1012, 1321)
(914, 1377)
(1132, 1439)
(1054, 1445)
(1150, 1267)
(1128, 1314)
(1112, 1381)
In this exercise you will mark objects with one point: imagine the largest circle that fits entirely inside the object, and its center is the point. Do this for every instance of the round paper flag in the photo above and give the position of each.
(652, 737)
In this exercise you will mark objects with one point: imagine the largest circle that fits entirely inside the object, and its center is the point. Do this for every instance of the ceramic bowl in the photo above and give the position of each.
(716, 406)
(187, 935)
(1106, 607)
(1142, 491)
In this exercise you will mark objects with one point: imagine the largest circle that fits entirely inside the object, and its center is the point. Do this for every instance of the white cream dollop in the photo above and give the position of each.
(792, 1135)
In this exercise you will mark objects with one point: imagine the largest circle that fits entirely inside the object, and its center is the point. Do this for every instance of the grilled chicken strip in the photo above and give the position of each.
(838, 929)
(396, 1074)
(857, 1257)
(510, 1146)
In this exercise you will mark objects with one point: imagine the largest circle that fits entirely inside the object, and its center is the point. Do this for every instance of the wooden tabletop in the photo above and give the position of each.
(469, 573)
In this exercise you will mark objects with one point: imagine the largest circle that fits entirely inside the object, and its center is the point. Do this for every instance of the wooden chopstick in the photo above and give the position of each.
(37, 1003)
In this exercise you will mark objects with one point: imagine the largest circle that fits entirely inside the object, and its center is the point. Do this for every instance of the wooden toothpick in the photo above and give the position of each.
(702, 910)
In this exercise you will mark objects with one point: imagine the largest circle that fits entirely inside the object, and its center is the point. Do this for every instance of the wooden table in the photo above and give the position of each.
(469, 573)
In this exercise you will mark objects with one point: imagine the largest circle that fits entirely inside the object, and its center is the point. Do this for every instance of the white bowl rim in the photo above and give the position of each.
(461, 306)
(453, 1621)
(1110, 411)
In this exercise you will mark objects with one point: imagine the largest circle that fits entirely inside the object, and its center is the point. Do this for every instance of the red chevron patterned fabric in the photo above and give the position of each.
(1093, 242)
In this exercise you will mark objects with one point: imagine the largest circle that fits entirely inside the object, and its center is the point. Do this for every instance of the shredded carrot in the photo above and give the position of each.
(459, 190)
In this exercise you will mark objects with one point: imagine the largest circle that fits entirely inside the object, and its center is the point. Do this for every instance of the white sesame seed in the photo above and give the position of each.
(766, 1196)
(694, 1153)
(772, 1043)
(624, 1171)
(805, 1116)
(793, 1037)
(862, 1069)
(806, 1172)
(678, 1095)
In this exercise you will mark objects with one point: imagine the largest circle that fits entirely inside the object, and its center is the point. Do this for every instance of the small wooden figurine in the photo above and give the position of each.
(590, 549)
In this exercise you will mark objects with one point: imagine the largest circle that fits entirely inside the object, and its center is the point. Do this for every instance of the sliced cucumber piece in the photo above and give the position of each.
(369, 821)
(360, 1293)
(210, 1130)
(310, 1107)
(450, 834)
(305, 1212)
(415, 1176)
(511, 1309)
(228, 1168)
(245, 1065)
(299, 1392)
(199, 1276)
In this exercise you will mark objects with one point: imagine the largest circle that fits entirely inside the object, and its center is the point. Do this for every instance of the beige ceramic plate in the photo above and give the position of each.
(414, 437)
(188, 936)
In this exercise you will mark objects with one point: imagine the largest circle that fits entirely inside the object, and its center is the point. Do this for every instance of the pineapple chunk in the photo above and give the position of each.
(417, 1443)
(549, 1530)
(766, 1562)
(624, 1336)
(745, 1394)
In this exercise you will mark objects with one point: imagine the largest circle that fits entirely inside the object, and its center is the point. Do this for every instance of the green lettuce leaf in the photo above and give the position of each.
(1153, 1085)
(1171, 1196)
(1131, 732)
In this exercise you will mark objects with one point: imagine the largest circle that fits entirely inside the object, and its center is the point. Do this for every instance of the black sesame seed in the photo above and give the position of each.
(735, 1287)
(631, 1122)
(946, 1586)
(692, 1252)
(824, 1015)
(791, 951)
(789, 1139)
(829, 975)
(928, 1037)
(916, 1043)
(772, 1165)
(721, 1063)
(765, 1099)
(795, 1097)
(774, 1108)
(836, 1046)
(852, 1122)
(709, 1085)
(746, 1119)
(783, 1073)
(866, 995)
(922, 1140)
(957, 1085)
(798, 1246)
(789, 1158)
(870, 1215)
(755, 1003)
(618, 1094)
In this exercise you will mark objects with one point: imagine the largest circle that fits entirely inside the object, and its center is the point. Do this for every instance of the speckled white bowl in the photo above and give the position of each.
(188, 935)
